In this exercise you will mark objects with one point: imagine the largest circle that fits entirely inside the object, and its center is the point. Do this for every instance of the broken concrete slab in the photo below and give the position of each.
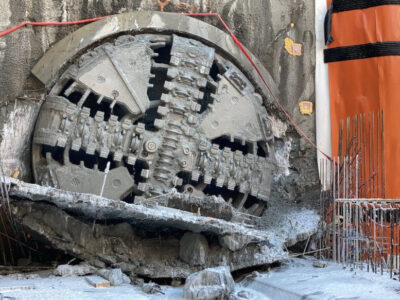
(74, 270)
(114, 276)
(209, 284)
(131, 248)
(234, 242)
(97, 281)
(101, 208)
(126, 244)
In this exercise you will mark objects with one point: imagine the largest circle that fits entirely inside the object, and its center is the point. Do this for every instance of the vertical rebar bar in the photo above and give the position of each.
(368, 245)
(356, 218)
(374, 241)
(383, 154)
(391, 241)
(334, 211)
(357, 174)
(372, 154)
(340, 144)
(364, 146)
(369, 156)
(382, 238)
(378, 162)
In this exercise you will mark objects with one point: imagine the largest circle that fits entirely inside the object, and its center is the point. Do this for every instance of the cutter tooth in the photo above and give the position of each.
(207, 179)
(70, 89)
(100, 99)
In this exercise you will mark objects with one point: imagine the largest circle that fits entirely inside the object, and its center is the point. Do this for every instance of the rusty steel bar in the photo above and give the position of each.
(378, 162)
(365, 229)
(364, 156)
(382, 246)
(334, 212)
(391, 241)
(372, 154)
(383, 154)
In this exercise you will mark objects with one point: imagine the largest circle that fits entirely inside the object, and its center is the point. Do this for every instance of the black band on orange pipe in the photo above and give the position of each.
(345, 5)
(362, 51)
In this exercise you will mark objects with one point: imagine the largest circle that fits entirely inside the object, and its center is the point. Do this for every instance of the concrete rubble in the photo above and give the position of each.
(123, 244)
(114, 276)
(74, 270)
(151, 288)
(295, 279)
(209, 284)
(234, 242)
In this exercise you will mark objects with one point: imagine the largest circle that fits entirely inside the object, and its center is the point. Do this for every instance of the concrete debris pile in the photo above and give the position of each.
(156, 152)
(99, 278)
(114, 276)
(208, 284)
(74, 270)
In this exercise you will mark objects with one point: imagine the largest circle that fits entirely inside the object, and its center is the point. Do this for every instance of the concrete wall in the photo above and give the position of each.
(261, 25)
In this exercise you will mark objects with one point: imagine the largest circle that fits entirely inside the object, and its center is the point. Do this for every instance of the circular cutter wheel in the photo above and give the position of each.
(135, 118)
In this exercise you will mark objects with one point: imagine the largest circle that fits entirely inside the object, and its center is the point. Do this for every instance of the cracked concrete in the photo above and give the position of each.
(152, 246)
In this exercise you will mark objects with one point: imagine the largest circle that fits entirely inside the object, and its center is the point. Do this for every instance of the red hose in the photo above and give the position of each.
(49, 24)
(291, 120)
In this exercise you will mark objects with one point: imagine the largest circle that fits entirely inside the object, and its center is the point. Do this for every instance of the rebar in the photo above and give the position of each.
(363, 228)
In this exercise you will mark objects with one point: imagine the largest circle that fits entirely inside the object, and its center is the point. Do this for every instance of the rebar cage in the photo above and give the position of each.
(360, 226)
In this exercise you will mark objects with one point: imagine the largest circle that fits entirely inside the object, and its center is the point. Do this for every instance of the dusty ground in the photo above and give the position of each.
(296, 279)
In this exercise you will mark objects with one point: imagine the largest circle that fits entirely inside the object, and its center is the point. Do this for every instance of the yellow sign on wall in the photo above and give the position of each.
(306, 107)
(292, 48)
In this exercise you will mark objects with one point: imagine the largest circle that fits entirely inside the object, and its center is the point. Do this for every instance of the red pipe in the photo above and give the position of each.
(49, 24)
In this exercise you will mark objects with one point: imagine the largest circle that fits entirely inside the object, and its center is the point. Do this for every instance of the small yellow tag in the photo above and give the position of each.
(15, 174)
(306, 107)
(292, 48)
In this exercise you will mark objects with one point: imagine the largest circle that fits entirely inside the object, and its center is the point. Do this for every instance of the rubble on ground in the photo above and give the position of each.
(114, 276)
(296, 278)
(209, 284)
(124, 244)
(74, 270)
(151, 288)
